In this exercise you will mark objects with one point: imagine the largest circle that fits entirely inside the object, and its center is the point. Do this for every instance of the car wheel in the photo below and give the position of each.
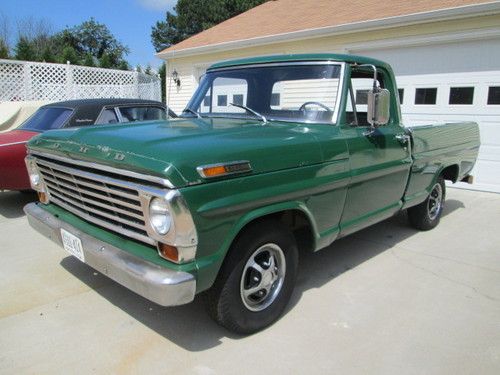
(427, 214)
(256, 280)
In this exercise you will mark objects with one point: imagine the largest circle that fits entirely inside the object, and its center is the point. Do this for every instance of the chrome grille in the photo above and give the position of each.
(105, 198)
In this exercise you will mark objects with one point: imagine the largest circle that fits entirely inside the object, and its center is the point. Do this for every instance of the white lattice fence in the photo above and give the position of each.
(27, 81)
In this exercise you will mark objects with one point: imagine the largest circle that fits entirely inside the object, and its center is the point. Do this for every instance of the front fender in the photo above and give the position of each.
(208, 267)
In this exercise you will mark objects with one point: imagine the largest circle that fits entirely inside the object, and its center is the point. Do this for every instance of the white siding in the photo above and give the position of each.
(294, 93)
(178, 97)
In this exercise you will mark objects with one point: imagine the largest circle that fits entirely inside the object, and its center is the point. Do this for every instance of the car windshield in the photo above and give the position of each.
(299, 93)
(46, 119)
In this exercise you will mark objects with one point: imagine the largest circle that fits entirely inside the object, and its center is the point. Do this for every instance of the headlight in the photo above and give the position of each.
(159, 216)
(34, 174)
(170, 224)
(35, 179)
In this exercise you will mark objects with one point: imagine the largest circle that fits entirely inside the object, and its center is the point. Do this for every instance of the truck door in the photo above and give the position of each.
(379, 160)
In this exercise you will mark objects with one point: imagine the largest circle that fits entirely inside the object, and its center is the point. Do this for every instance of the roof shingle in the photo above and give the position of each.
(285, 16)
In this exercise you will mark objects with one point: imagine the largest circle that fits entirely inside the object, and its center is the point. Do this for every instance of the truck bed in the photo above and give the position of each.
(452, 146)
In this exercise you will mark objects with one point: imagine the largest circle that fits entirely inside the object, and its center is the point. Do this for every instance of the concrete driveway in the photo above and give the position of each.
(387, 300)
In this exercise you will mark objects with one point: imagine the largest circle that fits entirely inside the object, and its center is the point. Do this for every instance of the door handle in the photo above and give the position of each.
(402, 138)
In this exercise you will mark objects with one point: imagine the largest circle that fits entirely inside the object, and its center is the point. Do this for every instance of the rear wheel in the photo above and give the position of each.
(427, 214)
(256, 280)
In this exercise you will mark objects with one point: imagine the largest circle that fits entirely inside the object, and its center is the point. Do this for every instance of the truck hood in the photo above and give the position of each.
(173, 149)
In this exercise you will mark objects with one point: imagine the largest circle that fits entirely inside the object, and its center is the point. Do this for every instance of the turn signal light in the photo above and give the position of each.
(224, 169)
(168, 252)
(214, 171)
(43, 197)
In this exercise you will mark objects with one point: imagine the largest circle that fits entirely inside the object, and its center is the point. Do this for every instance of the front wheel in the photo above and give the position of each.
(256, 280)
(427, 214)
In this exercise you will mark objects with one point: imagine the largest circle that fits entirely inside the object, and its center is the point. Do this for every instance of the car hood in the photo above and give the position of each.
(174, 149)
(15, 137)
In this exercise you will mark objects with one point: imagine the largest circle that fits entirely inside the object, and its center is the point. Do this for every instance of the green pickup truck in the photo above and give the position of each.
(272, 156)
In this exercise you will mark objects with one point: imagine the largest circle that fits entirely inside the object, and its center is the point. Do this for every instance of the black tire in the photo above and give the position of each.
(427, 214)
(229, 303)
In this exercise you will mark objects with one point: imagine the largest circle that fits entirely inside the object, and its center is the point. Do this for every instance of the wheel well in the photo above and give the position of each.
(450, 173)
(298, 223)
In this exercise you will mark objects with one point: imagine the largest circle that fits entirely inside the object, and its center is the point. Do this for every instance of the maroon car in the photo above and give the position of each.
(72, 113)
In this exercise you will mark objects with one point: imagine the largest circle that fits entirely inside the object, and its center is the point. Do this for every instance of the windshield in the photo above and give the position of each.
(300, 93)
(46, 119)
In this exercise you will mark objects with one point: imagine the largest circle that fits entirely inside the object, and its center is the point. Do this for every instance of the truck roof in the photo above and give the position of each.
(299, 58)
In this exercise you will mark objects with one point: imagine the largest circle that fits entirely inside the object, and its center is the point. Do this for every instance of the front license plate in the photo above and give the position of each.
(72, 244)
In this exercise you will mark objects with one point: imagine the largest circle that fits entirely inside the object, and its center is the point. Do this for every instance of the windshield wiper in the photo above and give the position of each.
(262, 117)
(187, 109)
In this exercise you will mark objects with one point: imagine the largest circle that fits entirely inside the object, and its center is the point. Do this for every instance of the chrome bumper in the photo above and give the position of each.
(161, 285)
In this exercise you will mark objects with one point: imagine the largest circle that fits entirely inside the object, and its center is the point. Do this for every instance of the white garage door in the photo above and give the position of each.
(453, 82)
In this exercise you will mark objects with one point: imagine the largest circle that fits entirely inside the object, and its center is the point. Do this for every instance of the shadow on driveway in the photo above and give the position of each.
(12, 203)
(191, 328)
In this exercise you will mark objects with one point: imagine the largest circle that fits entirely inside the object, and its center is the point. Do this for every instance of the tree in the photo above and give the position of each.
(193, 16)
(4, 50)
(24, 50)
(124, 65)
(38, 33)
(69, 54)
(148, 70)
(105, 61)
(4, 37)
(90, 43)
(94, 39)
(47, 55)
(162, 71)
(88, 60)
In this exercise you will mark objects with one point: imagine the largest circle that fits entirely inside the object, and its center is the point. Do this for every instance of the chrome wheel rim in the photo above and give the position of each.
(263, 277)
(435, 202)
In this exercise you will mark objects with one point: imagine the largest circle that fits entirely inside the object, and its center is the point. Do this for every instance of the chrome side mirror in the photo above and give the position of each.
(378, 107)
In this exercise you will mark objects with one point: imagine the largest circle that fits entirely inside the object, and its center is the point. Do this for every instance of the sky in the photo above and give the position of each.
(130, 21)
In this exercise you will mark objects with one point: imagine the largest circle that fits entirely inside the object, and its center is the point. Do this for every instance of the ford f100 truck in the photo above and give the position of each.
(272, 155)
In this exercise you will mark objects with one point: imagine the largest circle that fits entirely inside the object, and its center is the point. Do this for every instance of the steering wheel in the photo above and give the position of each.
(303, 106)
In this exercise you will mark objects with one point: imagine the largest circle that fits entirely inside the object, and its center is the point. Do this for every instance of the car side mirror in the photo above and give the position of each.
(378, 107)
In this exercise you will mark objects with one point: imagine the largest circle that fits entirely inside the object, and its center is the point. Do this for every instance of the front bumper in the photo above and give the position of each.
(161, 285)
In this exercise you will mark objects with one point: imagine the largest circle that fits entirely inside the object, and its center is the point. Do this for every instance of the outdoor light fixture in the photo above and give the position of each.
(175, 78)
